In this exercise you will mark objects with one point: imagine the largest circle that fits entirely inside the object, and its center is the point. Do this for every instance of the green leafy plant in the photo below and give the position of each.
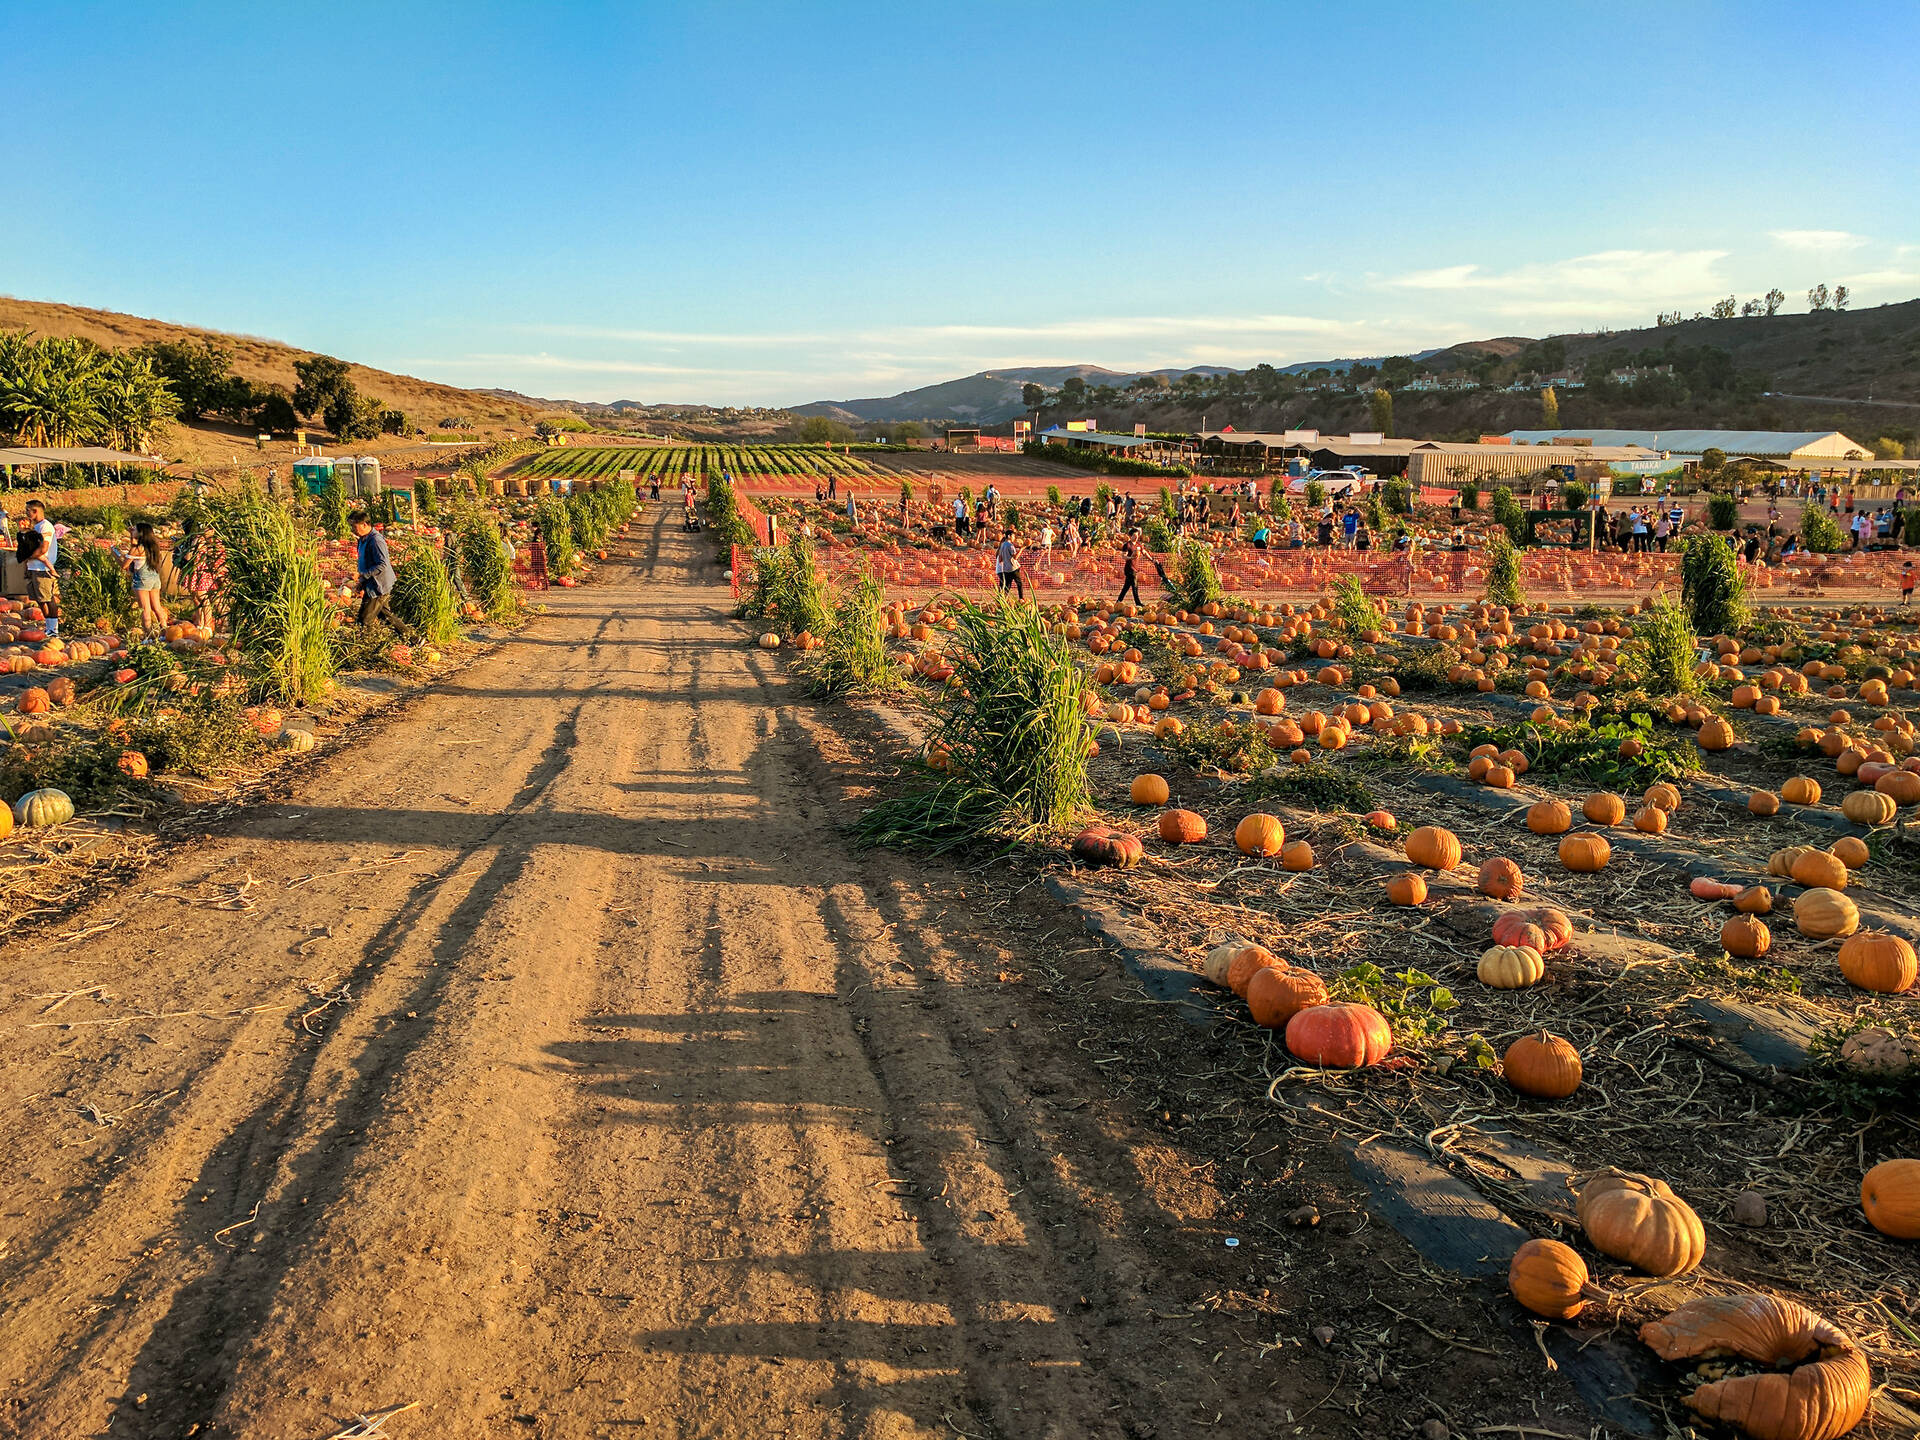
(551, 523)
(1818, 530)
(1507, 511)
(1353, 611)
(1398, 496)
(1415, 1004)
(1233, 749)
(1589, 751)
(333, 508)
(1723, 511)
(1469, 496)
(1317, 785)
(274, 599)
(483, 563)
(1316, 494)
(96, 589)
(1574, 495)
(1158, 535)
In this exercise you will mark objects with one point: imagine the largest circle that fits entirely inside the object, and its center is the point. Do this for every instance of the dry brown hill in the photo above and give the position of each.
(268, 362)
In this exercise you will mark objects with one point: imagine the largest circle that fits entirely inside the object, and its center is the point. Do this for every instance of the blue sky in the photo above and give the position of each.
(772, 203)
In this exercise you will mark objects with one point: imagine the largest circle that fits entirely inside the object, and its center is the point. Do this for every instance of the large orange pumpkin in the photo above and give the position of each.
(1245, 963)
(1182, 827)
(1259, 835)
(1276, 995)
(1343, 1036)
(1500, 878)
(1148, 790)
(1552, 817)
(1875, 960)
(1604, 808)
(1640, 1220)
(1586, 853)
(1550, 1279)
(1890, 1195)
(1433, 847)
(1542, 1065)
(1409, 887)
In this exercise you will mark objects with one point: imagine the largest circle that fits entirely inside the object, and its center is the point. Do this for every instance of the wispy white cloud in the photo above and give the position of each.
(1578, 283)
(583, 364)
(1818, 242)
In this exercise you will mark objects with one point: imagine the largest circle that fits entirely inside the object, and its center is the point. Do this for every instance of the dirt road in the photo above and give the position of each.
(548, 1060)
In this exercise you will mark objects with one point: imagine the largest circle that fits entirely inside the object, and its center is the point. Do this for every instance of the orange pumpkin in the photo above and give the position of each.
(1342, 1036)
(1407, 888)
(1246, 961)
(1585, 853)
(1296, 855)
(1550, 817)
(1604, 808)
(1746, 936)
(1500, 878)
(1890, 1196)
(1433, 847)
(1542, 1065)
(1875, 960)
(1550, 1279)
(1182, 827)
(1148, 790)
(1259, 835)
(1275, 995)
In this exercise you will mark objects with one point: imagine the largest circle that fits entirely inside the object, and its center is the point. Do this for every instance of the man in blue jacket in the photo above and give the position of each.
(376, 569)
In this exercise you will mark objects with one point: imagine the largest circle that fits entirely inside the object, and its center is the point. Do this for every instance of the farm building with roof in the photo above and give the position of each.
(1692, 444)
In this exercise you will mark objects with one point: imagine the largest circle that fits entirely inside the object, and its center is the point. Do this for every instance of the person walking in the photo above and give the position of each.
(1006, 566)
(376, 570)
(40, 569)
(1129, 576)
(1073, 538)
(1906, 584)
(143, 570)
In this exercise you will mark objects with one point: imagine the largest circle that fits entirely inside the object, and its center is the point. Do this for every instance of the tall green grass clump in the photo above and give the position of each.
(1712, 588)
(1723, 511)
(1352, 610)
(96, 589)
(556, 533)
(274, 598)
(853, 659)
(1316, 494)
(1469, 496)
(1013, 731)
(1503, 572)
(483, 561)
(800, 600)
(1194, 581)
(334, 508)
(1664, 651)
(1507, 511)
(423, 595)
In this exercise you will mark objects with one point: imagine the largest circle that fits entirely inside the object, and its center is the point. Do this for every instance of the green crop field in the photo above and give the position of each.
(605, 462)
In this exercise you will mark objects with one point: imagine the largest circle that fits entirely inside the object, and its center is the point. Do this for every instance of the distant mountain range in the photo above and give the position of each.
(992, 397)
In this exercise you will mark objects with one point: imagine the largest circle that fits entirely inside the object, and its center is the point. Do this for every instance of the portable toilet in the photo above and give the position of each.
(313, 473)
(367, 468)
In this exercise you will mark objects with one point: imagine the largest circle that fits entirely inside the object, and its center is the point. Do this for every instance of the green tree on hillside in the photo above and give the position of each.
(820, 430)
(198, 372)
(1549, 408)
(1776, 297)
(320, 379)
(1033, 396)
(1381, 404)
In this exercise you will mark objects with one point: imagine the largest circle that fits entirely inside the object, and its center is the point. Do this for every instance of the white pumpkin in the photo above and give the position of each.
(1511, 967)
(769, 641)
(297, 741)
(1219, 958)
(42, 807)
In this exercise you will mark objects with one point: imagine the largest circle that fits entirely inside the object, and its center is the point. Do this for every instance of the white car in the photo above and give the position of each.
(1340, 484)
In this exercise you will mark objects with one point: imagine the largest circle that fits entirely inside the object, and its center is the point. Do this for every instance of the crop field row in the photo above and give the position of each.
(604, 462)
